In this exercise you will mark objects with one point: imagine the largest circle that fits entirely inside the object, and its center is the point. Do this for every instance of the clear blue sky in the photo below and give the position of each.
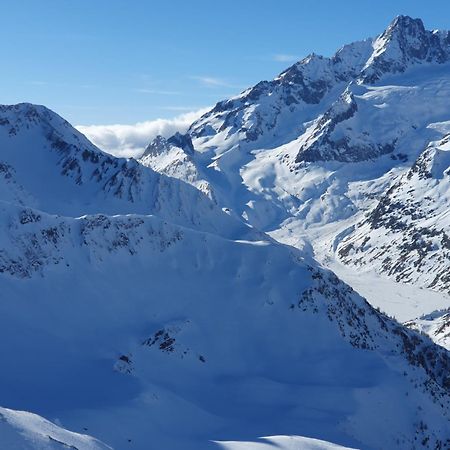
(118, 61)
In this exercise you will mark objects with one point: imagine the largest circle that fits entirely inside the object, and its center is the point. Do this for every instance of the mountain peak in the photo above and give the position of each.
(404, 43)
(162, 145)
(405, 23)
(183, 141)
(410, 31)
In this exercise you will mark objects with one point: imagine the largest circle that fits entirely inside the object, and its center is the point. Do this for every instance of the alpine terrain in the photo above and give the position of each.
(277, 277)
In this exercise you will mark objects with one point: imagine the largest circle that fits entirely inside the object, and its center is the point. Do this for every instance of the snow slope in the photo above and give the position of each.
(282, 443)
(146, 332)
(21, 430)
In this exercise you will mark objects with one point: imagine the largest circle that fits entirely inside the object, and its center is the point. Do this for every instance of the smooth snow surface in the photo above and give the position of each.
(282, 443)
(20, 430)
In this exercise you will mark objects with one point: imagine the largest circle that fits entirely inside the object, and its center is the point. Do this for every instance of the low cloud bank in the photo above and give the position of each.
(131, 140)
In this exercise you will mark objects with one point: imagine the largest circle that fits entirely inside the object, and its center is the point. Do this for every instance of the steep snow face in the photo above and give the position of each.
(407, 234)
(20, 430)
(46, 163)
(436, 325)
(143, 331)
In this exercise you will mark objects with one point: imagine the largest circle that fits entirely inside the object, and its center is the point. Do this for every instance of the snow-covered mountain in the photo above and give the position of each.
(174, 157)
(48, 164)
(133, 327)
(407, 235)
(142, 303)
(316, 154)
(405, 43)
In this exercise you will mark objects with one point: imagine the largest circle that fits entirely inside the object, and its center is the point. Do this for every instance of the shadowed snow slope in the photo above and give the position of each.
(143, 331)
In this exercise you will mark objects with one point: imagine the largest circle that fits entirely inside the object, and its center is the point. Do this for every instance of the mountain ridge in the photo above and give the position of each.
(351, 126)
(184, 301)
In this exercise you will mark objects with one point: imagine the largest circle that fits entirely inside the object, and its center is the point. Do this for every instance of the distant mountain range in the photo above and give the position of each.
(358, 140)
(154, 303)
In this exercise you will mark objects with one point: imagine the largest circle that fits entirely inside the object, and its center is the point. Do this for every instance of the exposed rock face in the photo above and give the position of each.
(405, 43)
(407, 235)
(320, 145)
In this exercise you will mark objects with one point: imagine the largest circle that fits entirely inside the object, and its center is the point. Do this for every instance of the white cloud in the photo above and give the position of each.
(131, 140)
(282, 57)
(212, 81)
(157, 92)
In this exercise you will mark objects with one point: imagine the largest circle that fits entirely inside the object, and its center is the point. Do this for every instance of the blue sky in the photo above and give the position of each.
(118, 61)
